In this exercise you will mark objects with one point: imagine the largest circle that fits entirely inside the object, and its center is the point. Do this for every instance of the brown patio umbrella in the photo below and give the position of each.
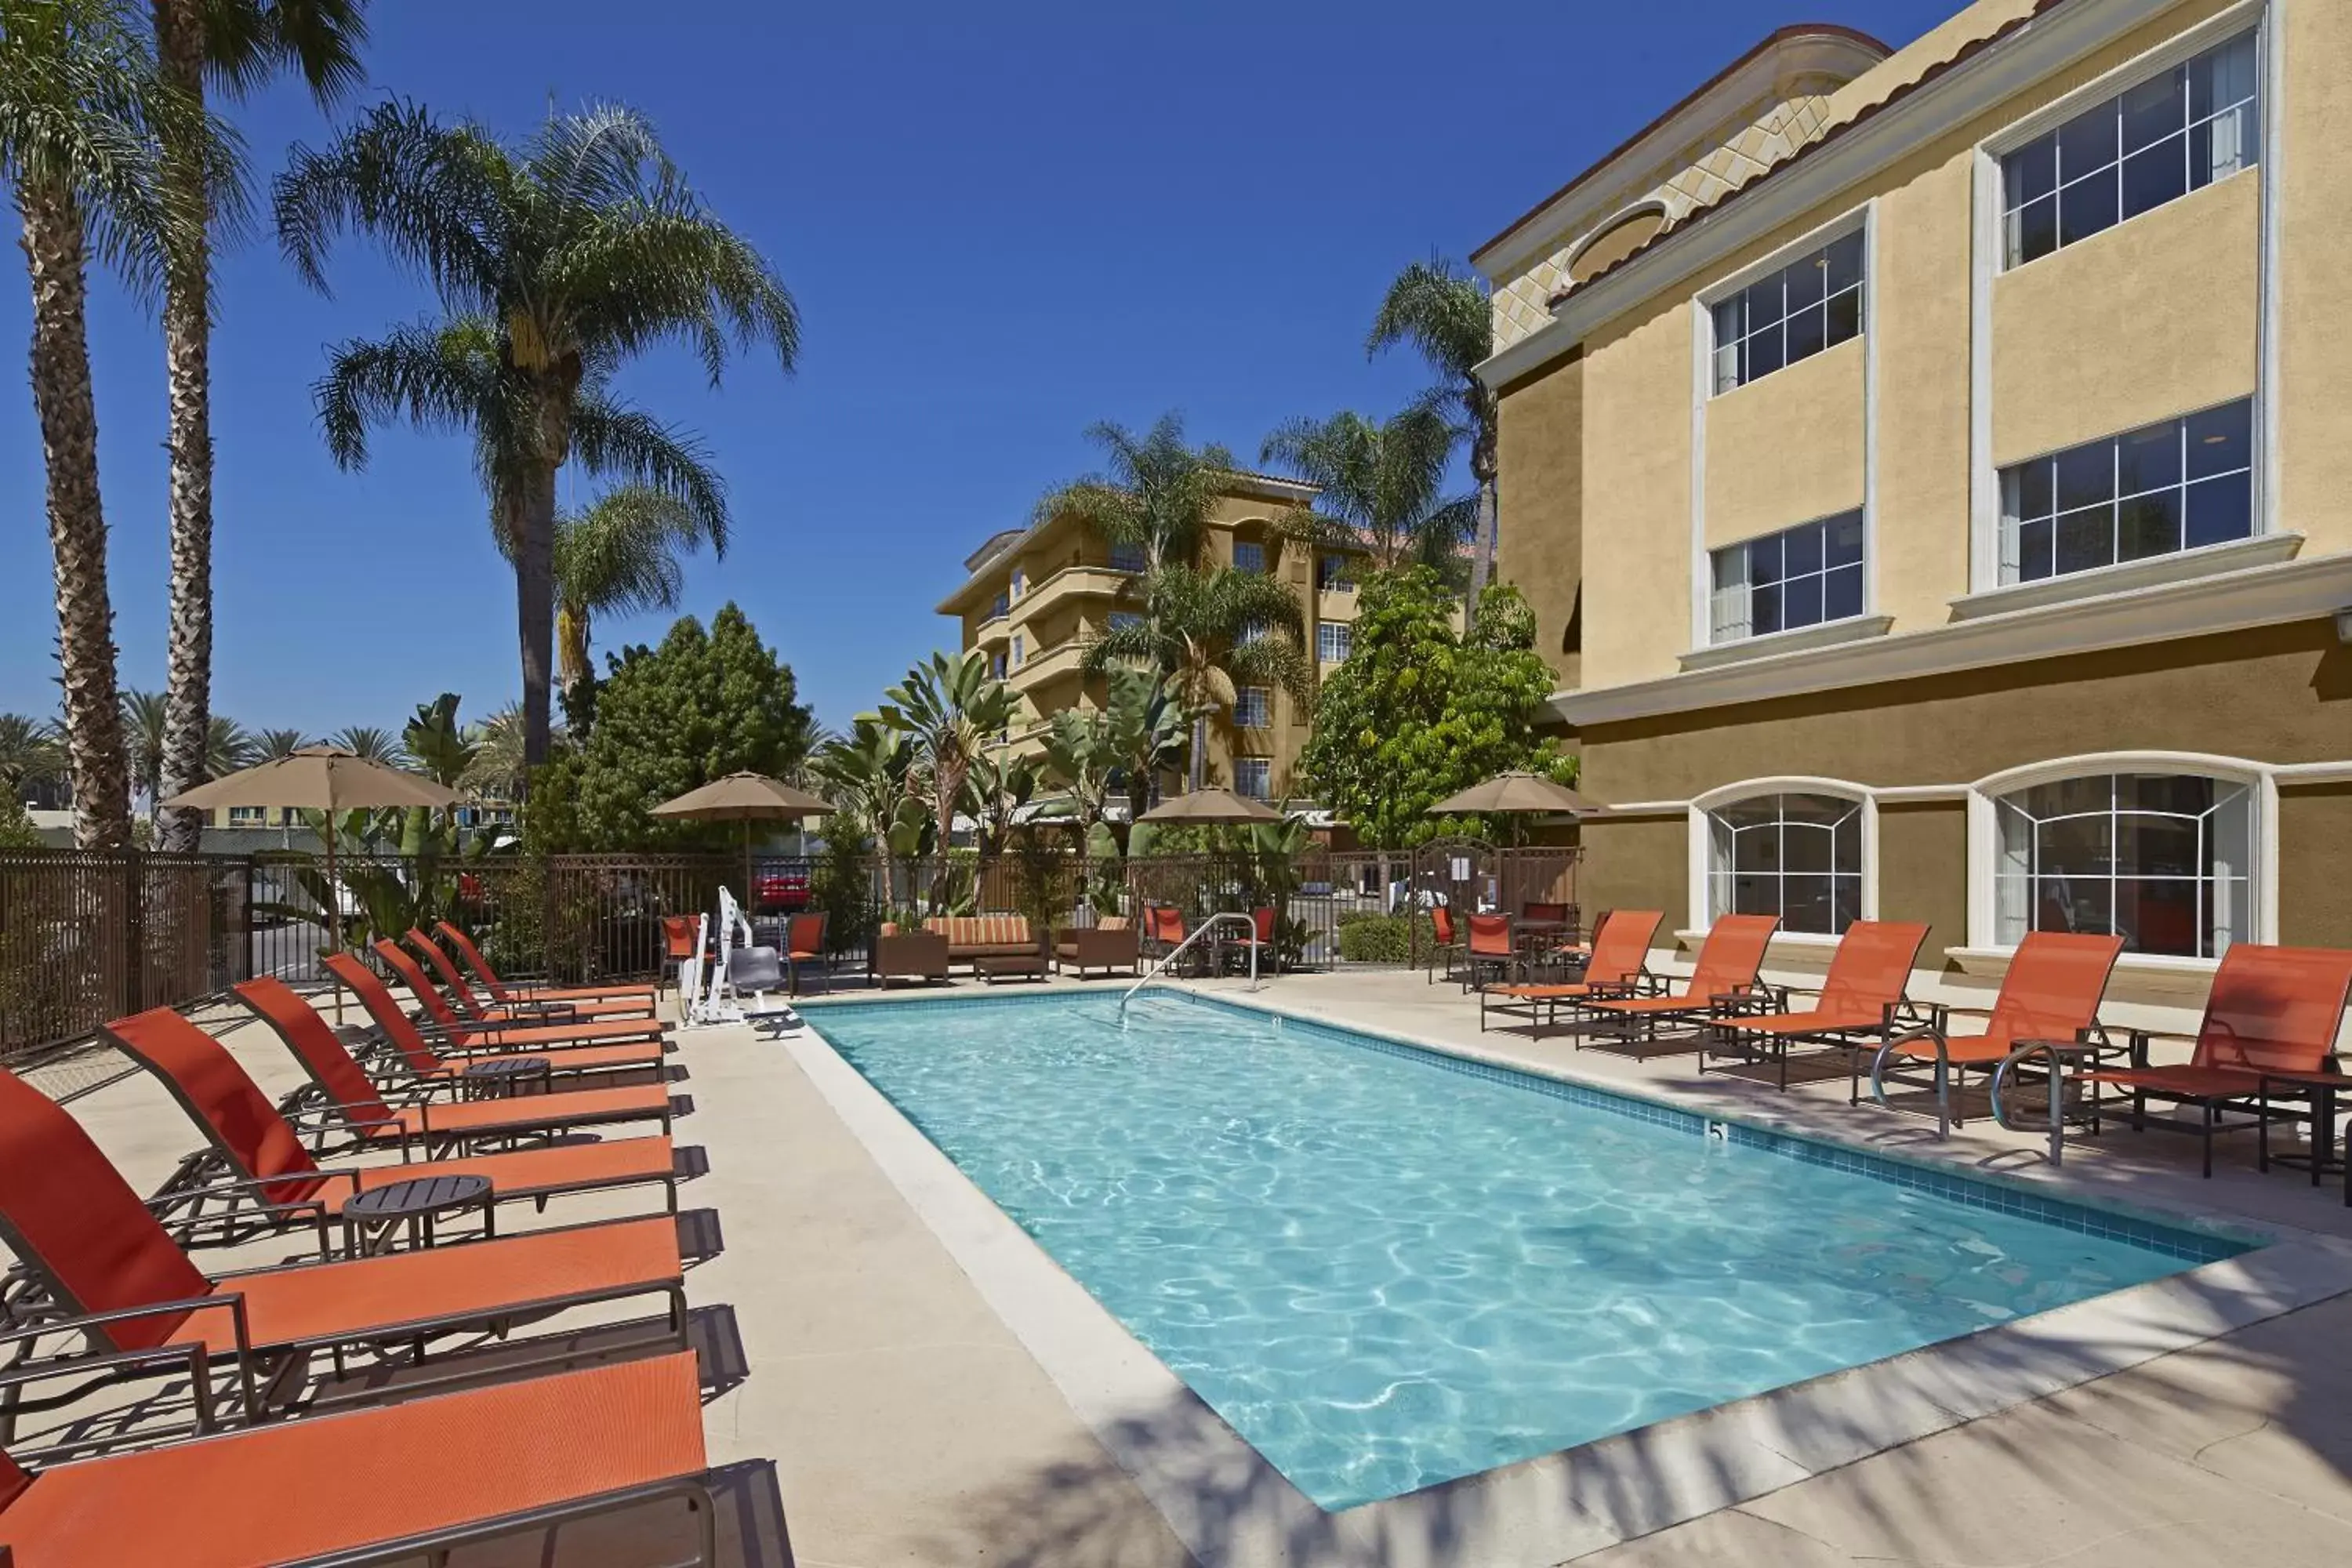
(1207, 807)
(1516, 794)
(747, 798)
(319, 778)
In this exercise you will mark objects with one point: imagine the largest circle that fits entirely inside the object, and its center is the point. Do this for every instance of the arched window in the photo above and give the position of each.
(2164, 860)
(1797, 856)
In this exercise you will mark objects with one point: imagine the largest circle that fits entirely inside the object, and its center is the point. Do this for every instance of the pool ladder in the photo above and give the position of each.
(1160, 968)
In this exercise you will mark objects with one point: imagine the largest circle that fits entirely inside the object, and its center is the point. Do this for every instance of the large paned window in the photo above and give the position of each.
(1254, 707)
(1248, 557)
(2169, 486)
(1795, 856)
(1811, 304)
(1253, 777)
(1332, 641)
(1333, 574)
(1127, 558)
(2164, 860)
(2176, 133)
(1801, 577)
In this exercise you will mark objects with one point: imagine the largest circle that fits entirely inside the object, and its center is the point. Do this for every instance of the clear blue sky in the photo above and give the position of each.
(1001, 225)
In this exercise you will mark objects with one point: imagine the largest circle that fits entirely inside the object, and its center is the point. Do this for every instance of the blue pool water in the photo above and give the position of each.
(1385, 1268)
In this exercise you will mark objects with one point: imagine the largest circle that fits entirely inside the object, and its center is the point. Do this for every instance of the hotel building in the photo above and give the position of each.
(1033, 598)
(1932, 472)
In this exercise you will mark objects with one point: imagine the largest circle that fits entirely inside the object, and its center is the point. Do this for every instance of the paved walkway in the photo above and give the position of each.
(908, 1423)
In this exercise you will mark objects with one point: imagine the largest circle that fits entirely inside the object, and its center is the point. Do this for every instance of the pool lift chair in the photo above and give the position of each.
(741, 978)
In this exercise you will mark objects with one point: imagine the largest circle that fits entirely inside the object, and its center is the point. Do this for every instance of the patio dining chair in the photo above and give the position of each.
(89, 1246)
(2266, 1048)
(461, 1036)
(471, 1466)
(255, 1173)
(470, 1005)
(1619, 962)
(1492, 945)
(346, 1093)
(407, 1045)
(2051, 992)
(1858, 1006)
(1724, 976)
(500, 990)
(804, 943)
(1446, 943)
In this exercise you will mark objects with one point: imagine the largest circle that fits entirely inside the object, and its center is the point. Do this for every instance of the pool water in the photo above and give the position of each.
(1386, 1269)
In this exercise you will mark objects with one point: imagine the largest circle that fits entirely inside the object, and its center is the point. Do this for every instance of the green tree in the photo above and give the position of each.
(1380, 486)
(146, 724)
(268, 745)
(234, 45)
(1136, 734)
(371, 743)
(620, 556)
(17, 829)
(1158, 495)
(82, 110)
(1207, 632)
(30, 758)
(950, 708)
(555, 262)
(1445, 315)
(994, 792)
(1417, 712)
(669, 719)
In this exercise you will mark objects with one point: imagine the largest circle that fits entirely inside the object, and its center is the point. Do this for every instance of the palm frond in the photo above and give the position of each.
(426, 192)
(436, 376)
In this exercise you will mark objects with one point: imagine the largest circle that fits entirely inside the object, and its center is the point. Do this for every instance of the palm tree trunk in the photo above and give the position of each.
(535, 605)
(188, 345)
(1485, 463)
(54, 256)
(1199, 751)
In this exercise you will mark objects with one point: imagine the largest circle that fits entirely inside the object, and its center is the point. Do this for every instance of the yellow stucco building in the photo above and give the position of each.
(1033, 598)
(1932, 472)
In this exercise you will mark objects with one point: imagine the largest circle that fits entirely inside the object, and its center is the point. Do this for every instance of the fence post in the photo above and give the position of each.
(134, 935)
(242, 965)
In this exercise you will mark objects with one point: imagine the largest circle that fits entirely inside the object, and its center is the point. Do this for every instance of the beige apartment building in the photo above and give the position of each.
(1033, 598)
(1932, 470)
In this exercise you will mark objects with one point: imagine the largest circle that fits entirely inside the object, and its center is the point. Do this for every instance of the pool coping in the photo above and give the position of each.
(1233, 1510)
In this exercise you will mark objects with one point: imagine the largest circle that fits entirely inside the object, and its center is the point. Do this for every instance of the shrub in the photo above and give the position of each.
(1382, 939)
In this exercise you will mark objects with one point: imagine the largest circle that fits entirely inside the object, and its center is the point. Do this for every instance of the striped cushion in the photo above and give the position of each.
(982, 930)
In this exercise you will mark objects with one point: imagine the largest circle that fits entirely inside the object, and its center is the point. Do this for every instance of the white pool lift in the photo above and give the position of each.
(743, 981)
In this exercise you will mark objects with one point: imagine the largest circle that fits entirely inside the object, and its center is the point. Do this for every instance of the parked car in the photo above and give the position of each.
(779, 891)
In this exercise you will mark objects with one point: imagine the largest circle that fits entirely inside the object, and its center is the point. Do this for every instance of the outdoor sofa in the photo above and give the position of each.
(1112, 947)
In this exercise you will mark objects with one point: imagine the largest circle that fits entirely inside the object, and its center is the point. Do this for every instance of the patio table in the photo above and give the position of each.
(503, 1077)
(417, 1204)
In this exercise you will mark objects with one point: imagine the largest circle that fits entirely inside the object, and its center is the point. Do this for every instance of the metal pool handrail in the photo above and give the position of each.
(1173, 953)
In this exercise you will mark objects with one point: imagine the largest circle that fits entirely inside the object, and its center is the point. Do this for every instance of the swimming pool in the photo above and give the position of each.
(1386, 1267)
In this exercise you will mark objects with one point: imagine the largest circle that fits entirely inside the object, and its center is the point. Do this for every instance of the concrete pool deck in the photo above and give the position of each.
(913, 1419)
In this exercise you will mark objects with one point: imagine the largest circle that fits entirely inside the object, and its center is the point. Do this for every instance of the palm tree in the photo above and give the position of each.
(560, 259)
(371, 743)
(1445, 315)
(146, 721)
(1135, 735)
(270, 745)
(81, 108)
(1380, 486)
(1208, 633)
(950, 708)
(994, 792)
(619, 557)
(29, 757)
(496, 772)
(234, 45)
(1158, 495)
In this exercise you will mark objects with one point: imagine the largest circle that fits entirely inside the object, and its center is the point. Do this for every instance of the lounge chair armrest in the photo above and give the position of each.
(183, 1360)
(164, 1203)
(189, 1356)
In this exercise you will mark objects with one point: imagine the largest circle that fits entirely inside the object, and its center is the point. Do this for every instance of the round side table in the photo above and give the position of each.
(503, 1078)
(370, 1217)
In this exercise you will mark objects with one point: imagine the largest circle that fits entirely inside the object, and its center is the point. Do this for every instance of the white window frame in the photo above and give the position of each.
(1242, 545)
(1264, 695)
(1265, 762)
(2007, 538)
(1700, 836)
(1988, 254)
(1862, 216)
(1984, 838)
(1346, 633)
(1716, 636)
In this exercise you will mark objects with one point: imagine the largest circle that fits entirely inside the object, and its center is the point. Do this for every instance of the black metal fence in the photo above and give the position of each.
(85, 937)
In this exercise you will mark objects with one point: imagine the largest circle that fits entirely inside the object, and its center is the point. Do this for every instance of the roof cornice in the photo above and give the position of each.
(1848, 155)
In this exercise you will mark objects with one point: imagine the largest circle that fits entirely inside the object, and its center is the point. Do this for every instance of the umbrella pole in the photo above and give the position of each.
(749, 898)
(335, 909)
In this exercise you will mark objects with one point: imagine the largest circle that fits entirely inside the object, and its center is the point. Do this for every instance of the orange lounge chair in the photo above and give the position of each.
(462, 1036)
(1724, 976)
(2051, 992)
(506, 991)
(1621, 957)
(2268, 1034)
(406, 1043)
(353, 1098)
(1860, 1002)
(453, 985)
(468, 1466)
(76, 1228)
(253, 1146)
